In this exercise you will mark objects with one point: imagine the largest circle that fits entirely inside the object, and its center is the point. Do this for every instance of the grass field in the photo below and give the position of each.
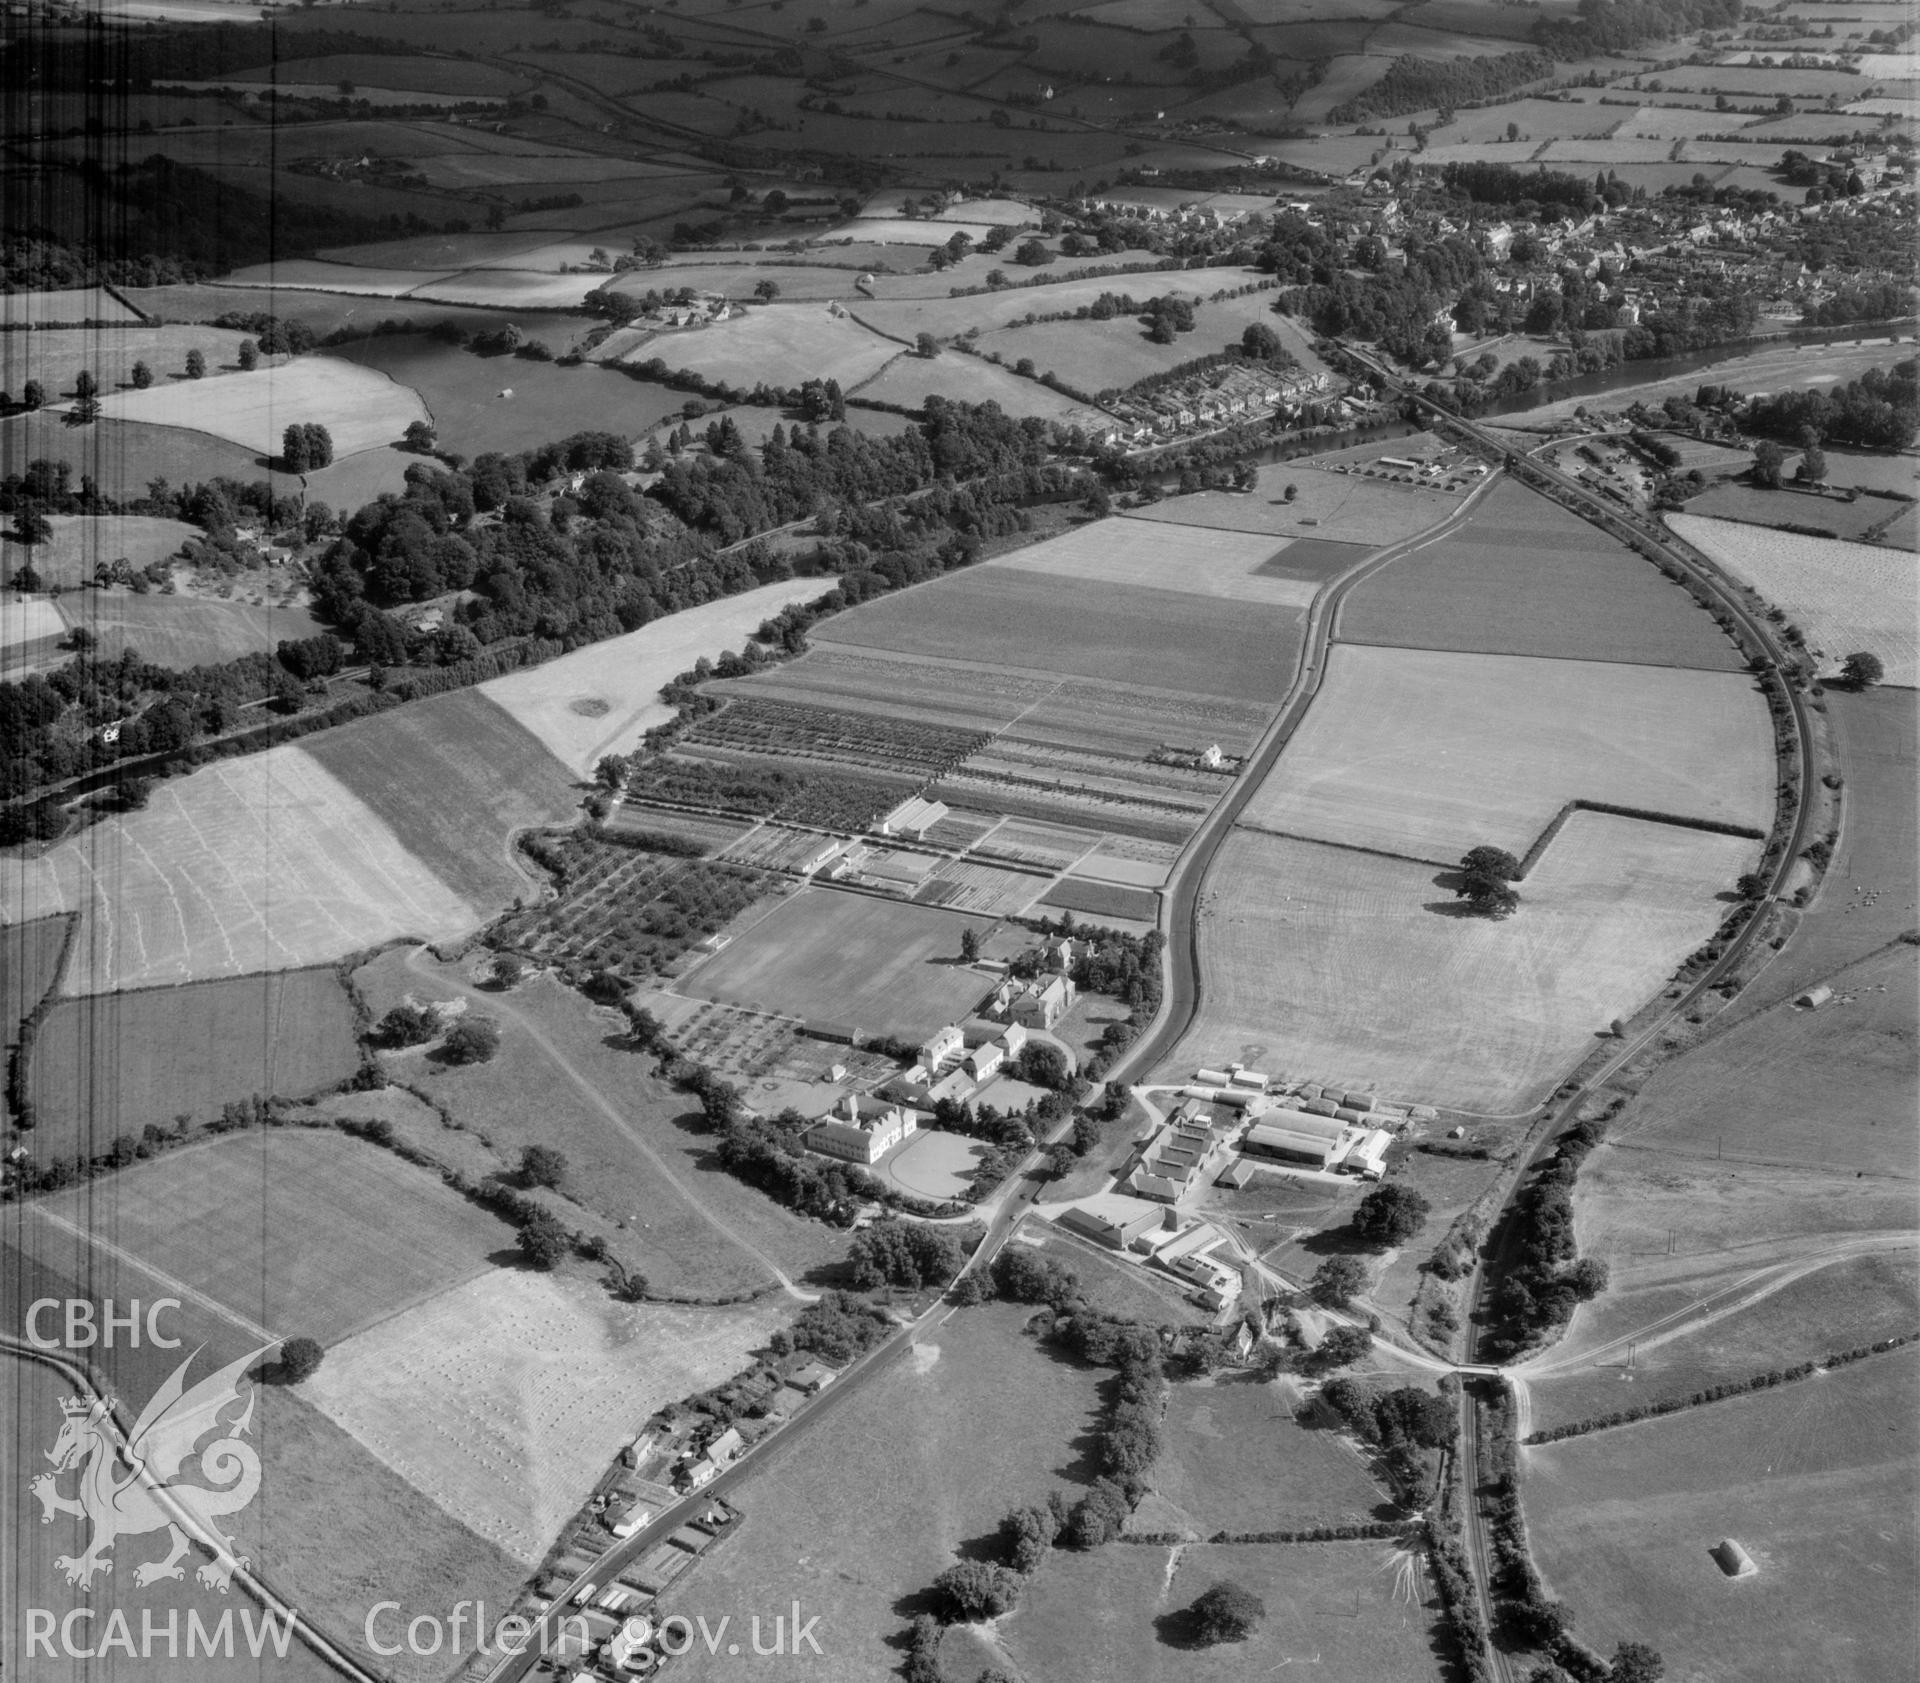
(1748, 504)
(505, 1398)
(1005, 617)
(601, 699)
(465, 393)
(81, 542)
(1103, 900)
(29, 967)
(1428, 754)
(261, 863)
(778, 345)
(1525, 577)
(990, 311)
(359, 408)
(641, 1169)
(1844, 596)
(183, 631)
(1870, 895)
(967, 379)
(853, 1524)
(1193, 560)
(109, 353)
(1236, 1460)
(1343, 507)
(293, 1230)
(57, 309)
(827, 956)
(1817, 1482)
(30, 631)
(1348, 966)
(485, 777)
(1830, 1089)
(1353, 1612)
(111, 1064)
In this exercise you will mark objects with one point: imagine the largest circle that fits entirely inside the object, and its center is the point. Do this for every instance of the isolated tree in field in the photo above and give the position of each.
(766, 290)
(305, 447)
(142, 376)
(300, 1359)
(248, 356)
(472, 1040)
(418, 437)
(1227, 1612)
(969, 944)
(1495, 861)
(30, 527)
(85, 385)
(32, 395)
(1390, 1215)
(81, 640)
(509, 970)
(543, 1241)
(196, 364)
(1033, 254)
(542, 1165)
(1342, 1347)
(85, 411)
(1863, 670)
(926, 345)
(775, 203)
(1337, 1281)
(1291, 492)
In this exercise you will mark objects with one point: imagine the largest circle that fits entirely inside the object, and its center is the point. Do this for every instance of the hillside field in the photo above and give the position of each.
(483, 778)
(777, 345)
(1344, 507)
(1427, 754)
(183, 631)
(261, 863)
(1816, 1480)
(113, 1063)
(1524, 577)
(1341, 965)
(1845, 596)
(1191, 560)
(601, 699)
(82, 541)
(359, 409)
(318, 1233)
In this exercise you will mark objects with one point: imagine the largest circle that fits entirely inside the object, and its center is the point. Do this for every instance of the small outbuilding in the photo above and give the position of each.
(1732, 1559)
(1814, 998)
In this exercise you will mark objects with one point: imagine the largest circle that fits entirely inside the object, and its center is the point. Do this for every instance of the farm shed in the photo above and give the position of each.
(1321, 1107)
(1357, 1101)
(1211, 1077)
(1814, 998)
(1294, 1136)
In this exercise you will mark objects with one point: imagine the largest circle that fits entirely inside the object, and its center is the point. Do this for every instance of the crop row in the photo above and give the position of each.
(830, 799)
(864, 739)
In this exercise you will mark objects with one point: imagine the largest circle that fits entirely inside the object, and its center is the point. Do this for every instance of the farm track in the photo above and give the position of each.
(594, 1096)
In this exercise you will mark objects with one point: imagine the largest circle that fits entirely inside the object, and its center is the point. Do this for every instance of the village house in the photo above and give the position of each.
(1036, 1004)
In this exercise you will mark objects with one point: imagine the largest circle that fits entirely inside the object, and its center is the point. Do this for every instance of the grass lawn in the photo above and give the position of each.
(471, 413)
(859, 1522)
(1426, 754)
(1525, 577)
(1235, 1460)
(642, 1167)
(825, 955)
(1354, 1612)
(183, 631)
(1126, 633)
(1844, 596)
(261, 863)
(505, 1398)
(62, 307)
(599, 699)
(1338, 965)
(113, 1063)
(81, 542)
(1815, 1480)
(294, 1230)
(483, 778)
(359, 408)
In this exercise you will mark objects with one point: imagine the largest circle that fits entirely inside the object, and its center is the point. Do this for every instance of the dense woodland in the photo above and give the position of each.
(1878, 411)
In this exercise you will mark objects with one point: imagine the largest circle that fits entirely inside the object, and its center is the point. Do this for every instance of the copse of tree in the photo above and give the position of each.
(248, 356)
(142, 376)
(542, 1165)
(1023, 1275)
(899, 1253)
(543, 1241)
(975, 1589)
(1389, 1215)
(835, 1328)
(1342, 1347)
(472, 1040)
(405, 1025)
(196, 364)
(306, 447)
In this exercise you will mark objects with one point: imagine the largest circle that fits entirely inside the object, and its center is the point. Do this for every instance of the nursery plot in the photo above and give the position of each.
(1195, 560)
